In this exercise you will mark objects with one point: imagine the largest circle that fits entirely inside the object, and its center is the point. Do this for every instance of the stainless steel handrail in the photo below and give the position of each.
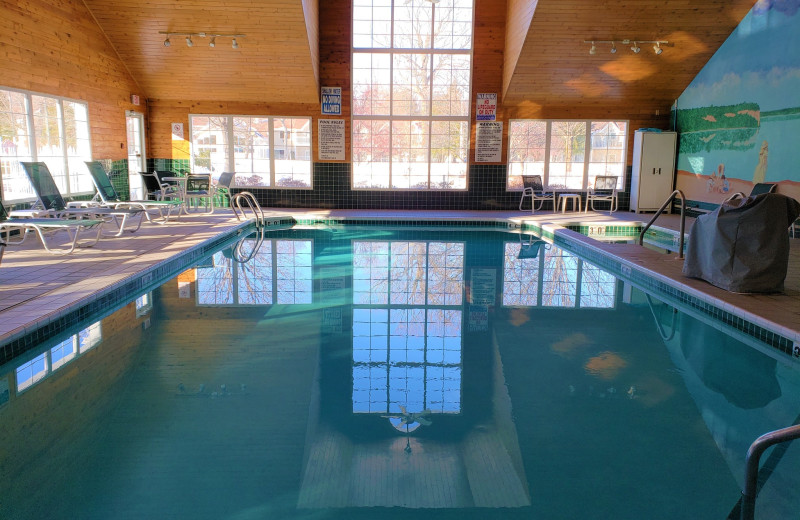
(252, 203)
(751, 465)
(669, 200)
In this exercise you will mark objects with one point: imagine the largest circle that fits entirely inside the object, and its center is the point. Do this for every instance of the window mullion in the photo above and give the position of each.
(548, 129)
(271, 126)
(587, 152)
(34, 150)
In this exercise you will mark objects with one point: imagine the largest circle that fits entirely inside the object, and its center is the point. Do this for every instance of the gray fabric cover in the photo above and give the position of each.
(743, 246)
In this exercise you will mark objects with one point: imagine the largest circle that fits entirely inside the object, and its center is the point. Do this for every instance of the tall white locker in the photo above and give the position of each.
(653, 169)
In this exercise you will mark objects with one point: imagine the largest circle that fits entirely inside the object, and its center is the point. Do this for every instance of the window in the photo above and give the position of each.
(552, 277)
(35, 370)
(144, 304)
(568, 154)
(279, 271)
(412, 62)
(245, 145)
(54, 130)
(407, 325)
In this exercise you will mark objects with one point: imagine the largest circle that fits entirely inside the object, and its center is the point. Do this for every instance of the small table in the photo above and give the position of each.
(566, 197)
(182, 182)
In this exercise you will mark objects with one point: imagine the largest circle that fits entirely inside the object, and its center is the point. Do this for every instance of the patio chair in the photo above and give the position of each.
(50, 203)
(154, 187)
(758, 189)
(44, 227)
(605, 190)
(532, 187)
(108, 196)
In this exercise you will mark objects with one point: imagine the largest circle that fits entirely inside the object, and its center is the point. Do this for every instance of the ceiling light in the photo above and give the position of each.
(625, 41)
(211, 43)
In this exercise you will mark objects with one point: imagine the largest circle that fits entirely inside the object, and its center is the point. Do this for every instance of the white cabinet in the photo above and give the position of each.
(653, 169)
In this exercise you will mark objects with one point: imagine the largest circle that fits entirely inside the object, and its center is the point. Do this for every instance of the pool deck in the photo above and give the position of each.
(36, 286)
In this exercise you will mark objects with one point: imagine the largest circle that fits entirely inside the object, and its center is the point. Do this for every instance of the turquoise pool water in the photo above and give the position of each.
(344, 372)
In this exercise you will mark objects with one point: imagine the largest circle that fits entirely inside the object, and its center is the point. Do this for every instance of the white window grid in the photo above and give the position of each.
(516, 168)
(284, 155)
(68, 149)
(382, 42)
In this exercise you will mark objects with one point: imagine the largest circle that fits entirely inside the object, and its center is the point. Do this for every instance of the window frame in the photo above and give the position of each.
(231, 146)
(390, 119)
(585, 185)
(70, 177)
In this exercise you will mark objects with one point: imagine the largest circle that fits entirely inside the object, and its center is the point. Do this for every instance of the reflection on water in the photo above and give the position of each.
(477, 374)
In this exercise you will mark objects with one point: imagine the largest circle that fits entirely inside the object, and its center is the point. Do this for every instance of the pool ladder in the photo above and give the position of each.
(251, 204)
(676, 193)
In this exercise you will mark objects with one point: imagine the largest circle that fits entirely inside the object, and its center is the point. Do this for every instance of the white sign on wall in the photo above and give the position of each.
(330, 139)
(486, 107)
(489, 141)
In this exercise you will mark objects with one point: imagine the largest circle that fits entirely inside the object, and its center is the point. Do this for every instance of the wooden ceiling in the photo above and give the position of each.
(547, 64)
(277, 60)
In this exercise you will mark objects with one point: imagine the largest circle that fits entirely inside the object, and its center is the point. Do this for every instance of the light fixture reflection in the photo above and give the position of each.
(189, 41)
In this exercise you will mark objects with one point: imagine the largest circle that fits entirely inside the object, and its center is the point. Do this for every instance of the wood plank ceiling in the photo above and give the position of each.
(276, 61)
(553, 67)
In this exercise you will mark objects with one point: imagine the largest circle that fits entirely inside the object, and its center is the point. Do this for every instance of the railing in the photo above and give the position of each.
(751, 465)
(676, 193)
(252, 204)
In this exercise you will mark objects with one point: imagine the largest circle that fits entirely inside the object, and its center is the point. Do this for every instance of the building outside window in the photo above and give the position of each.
(54, 130)
(264, 151)
(566, 154)
(411, 73)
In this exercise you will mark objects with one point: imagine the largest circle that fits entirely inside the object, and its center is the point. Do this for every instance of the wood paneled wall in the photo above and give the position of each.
(57, 48)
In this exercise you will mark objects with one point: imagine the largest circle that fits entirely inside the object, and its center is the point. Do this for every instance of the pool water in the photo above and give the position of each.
(361, 372)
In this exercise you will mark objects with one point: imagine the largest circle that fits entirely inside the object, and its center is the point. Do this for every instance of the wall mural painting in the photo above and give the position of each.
(739, 120)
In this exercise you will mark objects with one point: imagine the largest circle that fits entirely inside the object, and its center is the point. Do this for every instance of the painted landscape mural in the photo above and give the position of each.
(739, 120)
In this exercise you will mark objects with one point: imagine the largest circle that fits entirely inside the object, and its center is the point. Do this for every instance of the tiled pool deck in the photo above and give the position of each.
(38, 289)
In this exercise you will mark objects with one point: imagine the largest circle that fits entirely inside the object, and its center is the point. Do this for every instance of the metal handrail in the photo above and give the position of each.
(669, 200)
(252, 203)
(751, 465)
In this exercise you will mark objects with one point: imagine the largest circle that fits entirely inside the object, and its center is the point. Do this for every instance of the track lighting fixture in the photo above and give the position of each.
(190, 35)
(635, 47)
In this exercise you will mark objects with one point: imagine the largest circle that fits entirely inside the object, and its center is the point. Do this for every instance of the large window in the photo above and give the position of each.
(412, 62)
(567, 154)
(263, 151)
(54, 130)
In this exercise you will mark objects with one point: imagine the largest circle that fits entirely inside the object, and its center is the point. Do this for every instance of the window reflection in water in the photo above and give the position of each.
(279, 272)
(407, 323)
(565, 280)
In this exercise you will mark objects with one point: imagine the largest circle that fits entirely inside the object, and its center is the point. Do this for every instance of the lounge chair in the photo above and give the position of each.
(45, 227)
(108, 196)
(532, 187)
(605, 190)
(50, 203)
(154, 187)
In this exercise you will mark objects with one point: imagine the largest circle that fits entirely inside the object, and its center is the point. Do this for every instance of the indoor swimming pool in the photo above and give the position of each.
(365, 372)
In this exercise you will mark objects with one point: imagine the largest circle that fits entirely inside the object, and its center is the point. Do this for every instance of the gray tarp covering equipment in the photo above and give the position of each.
(743, 246)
